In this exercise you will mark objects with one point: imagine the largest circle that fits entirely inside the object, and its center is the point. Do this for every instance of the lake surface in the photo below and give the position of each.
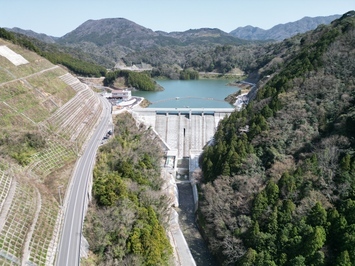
(203, 93)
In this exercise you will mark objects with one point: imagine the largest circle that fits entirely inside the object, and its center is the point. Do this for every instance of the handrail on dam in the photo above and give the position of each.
(186, 110)
(189, 97)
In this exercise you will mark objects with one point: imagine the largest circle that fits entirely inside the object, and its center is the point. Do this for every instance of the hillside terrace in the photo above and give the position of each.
(43, 98)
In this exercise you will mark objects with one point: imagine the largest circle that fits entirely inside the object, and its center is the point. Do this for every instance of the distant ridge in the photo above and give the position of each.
(111, 40)
(39, 36)
(111, 32)
(106, 31)
(282, 31)
(114, 38)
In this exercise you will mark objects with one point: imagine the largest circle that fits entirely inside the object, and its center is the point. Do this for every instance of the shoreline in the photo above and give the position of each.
(245, 88)
(240, 98)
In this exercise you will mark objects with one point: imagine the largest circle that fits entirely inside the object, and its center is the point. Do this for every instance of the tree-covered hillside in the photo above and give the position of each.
(278, 182)
(73, 60)
(125, 223)
(111, 40)
(282, 31)
(138, 80)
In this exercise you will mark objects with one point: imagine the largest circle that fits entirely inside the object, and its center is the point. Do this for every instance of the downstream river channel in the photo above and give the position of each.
(204, 93)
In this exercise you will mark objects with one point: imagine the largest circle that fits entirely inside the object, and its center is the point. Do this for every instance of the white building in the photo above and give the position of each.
(123, 94)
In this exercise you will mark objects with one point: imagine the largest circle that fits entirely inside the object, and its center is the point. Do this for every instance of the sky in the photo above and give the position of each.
(58, 17)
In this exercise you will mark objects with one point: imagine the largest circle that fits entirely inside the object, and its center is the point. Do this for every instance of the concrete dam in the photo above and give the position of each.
(185, 131)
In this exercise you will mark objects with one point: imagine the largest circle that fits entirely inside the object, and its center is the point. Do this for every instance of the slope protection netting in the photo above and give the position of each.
(5, 182)
(42, 245)
(53, 157)
(21, 222)
(39, 95)
(18, 220)
(74, 120)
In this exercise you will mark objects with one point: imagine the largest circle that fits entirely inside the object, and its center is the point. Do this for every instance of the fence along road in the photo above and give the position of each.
(69, 246)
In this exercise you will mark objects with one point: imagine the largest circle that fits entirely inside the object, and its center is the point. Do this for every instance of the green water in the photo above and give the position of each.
(190, 93)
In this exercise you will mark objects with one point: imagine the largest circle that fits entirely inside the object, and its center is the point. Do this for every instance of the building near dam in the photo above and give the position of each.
(125, 95)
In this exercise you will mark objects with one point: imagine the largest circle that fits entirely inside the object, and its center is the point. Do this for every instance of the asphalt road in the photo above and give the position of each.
(69, 246)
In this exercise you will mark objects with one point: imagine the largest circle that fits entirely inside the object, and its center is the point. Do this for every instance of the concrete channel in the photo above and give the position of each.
(194, 240)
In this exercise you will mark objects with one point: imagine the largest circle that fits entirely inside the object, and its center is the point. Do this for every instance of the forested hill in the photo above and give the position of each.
(56, 55)
(39, 36)
(116, 42)
(117, 37)
(113, 33)
(278, 182)
(282, 31)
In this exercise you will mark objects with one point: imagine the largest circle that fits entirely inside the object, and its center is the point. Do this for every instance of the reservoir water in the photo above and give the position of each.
(205, 93)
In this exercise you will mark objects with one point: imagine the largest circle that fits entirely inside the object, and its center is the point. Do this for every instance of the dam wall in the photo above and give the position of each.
(185, 131)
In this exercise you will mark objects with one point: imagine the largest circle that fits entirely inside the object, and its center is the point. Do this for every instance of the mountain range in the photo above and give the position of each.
(129, 36)
(282, 31)
(114, 38)
(120, 27)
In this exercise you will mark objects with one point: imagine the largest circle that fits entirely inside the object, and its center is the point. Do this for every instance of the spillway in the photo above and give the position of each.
(185, 131)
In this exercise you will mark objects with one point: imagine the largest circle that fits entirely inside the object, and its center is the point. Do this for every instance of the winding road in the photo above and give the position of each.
(70, 240)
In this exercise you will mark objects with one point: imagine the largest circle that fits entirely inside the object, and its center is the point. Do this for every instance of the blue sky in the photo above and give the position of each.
(58, 17)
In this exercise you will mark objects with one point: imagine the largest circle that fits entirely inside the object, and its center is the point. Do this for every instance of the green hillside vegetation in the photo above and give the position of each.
(75, 65)
(188, 74)
(217, 52)
(124, 224)
(281, 192)
(116, 38)
(55, 55)
(138, 80)
(29, 95)
(41, 132)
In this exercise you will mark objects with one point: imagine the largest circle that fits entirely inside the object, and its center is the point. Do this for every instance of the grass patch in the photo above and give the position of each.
(49, 82)
(36, 63)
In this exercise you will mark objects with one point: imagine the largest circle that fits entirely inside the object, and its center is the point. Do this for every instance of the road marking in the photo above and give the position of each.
(82, 169)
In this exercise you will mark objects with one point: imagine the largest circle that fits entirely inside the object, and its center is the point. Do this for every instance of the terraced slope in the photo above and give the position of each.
(46, 115)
